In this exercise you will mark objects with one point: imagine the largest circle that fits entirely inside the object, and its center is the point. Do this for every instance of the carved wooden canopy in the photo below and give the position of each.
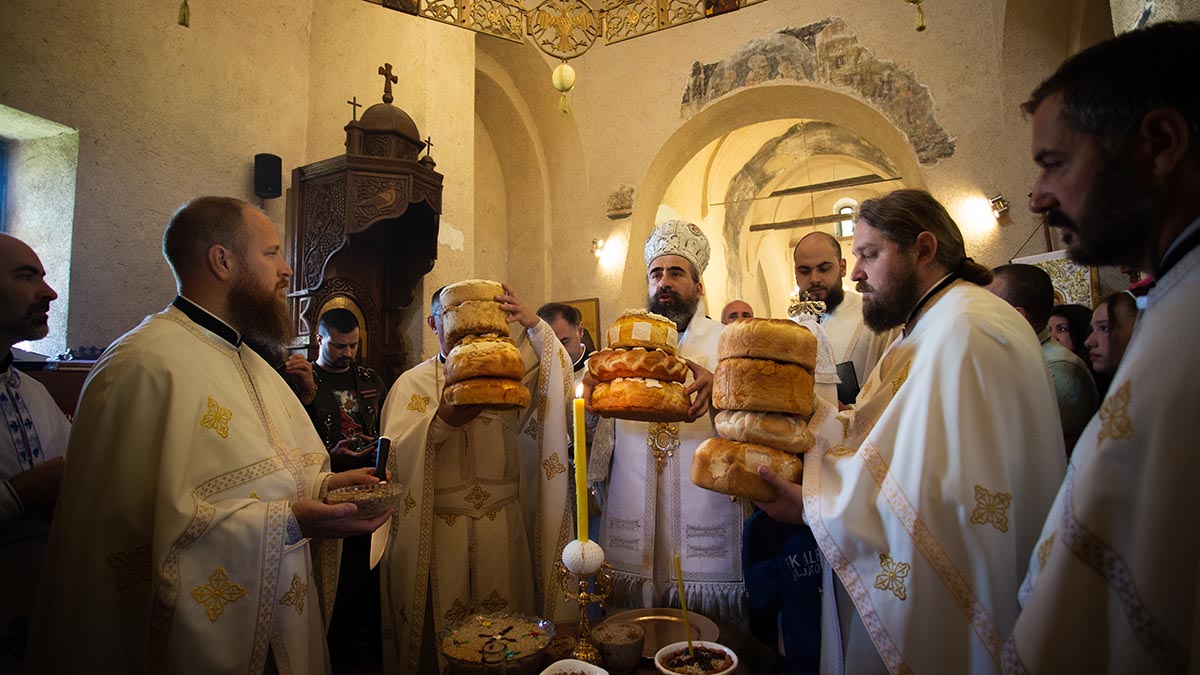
(363, 228)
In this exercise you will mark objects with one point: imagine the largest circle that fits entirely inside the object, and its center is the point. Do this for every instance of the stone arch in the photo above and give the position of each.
(876, 134)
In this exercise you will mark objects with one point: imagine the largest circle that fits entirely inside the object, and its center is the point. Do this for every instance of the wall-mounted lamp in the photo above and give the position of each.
(598, 247)
(999, 205)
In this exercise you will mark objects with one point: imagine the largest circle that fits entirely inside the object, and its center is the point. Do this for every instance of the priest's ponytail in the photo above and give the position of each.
(973, 272)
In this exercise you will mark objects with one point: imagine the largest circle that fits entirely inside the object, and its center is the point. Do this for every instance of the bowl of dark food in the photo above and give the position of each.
(481, 644)
(371, 500)
(707, 658)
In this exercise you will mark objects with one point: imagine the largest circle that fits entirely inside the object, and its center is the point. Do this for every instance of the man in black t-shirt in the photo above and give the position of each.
(345, 407)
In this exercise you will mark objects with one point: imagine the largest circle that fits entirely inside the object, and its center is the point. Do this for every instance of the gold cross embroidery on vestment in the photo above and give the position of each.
(493, 602)
(991, 508)
(456, 611)
(217, 418)
(663, 441)
(218, 592)
(1114, 415)
(900, 378)
(891, 578)
(131, 566)
(418, 403)
(477, 497)
(552, 466)
(409, 503)
(296, 595)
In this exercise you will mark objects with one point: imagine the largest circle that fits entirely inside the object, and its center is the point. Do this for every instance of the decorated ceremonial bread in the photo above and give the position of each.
(639, 328)
(471, 289)
(476, 356)
(777, 430)
(763, 386)
(494, 392)
(641, 399)
(774, 339)
(609, 364)
(473, 317)
(731, 467)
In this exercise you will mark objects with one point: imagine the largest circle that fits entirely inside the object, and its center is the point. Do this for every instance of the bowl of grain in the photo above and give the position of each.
(487, 643)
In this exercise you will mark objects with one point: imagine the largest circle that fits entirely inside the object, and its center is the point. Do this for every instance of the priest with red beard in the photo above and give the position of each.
(190, 534)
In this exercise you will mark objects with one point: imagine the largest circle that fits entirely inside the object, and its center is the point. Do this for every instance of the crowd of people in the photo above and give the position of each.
(938, 527)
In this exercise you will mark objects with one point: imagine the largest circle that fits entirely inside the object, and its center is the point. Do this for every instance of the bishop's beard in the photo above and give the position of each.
(260, 315)
(680, 310)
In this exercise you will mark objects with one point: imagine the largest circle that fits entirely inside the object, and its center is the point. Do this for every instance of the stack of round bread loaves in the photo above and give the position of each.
(638, 376)
(483, 367)
(763, 387)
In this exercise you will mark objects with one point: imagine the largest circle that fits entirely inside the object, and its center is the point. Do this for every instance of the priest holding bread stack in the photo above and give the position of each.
(479, 441)
(655, 377)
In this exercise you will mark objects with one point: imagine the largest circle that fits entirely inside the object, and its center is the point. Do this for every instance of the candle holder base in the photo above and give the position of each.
(584, 649)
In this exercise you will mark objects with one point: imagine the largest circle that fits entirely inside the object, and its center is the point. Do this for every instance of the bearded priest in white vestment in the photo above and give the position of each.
(1114, 584)
(485, 512)
(652, 509)
(820, 269)
(926, 498)
(182, 542)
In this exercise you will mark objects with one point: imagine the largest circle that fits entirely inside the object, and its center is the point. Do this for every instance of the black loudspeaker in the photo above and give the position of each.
(268, 173)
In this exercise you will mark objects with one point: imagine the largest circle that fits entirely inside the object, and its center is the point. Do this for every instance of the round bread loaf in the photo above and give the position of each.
(775, 339)
(496, 393)
(609, 364)
(472, 289)
(484, 357)
(473, 317)
(783, 432)
(639, 328)
(731, 467)
(635, 398)
(763, 386)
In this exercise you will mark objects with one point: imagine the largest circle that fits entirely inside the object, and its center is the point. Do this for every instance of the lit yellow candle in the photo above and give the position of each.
(580, 466)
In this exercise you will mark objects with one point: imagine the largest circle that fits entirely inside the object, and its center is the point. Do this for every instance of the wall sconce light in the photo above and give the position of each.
(598, 247)
(999, 205)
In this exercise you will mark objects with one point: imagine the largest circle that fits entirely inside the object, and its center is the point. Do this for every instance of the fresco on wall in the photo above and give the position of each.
(827, 53)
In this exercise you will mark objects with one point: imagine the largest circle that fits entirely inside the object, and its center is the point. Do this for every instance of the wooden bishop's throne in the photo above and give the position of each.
(362, 232)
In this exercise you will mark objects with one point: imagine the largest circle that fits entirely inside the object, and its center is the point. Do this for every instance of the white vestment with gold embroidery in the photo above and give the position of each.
(926, 499)
(653, 510)
(1114, 584)
(170, 547)
(482, 504)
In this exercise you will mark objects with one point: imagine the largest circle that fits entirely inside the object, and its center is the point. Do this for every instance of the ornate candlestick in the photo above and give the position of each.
(581, 560)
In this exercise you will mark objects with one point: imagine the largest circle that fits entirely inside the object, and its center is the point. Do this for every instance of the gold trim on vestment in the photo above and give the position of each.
(131, 566)
(1154, 635)
(493, 602)
(663, 441)
(851, 580)
(900, 378)
(954, 581)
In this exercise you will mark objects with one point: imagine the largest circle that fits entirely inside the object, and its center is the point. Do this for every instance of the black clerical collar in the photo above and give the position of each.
(6, 362)
(916, 310)
(579, 364)
(207, 320)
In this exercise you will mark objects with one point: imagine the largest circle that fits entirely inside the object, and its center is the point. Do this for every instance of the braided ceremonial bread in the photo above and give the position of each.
(609, 364)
